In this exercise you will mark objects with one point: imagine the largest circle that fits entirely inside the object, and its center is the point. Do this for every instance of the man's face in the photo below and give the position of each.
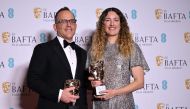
(65, 25)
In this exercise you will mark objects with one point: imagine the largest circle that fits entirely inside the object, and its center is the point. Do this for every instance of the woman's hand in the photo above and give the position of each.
(94, 83)
(107, 94)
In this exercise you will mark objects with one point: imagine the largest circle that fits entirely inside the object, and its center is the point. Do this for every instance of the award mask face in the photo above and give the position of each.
(73, 83)
(96, 70)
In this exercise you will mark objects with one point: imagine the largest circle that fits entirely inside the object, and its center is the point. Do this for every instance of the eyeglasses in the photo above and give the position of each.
(64, 21)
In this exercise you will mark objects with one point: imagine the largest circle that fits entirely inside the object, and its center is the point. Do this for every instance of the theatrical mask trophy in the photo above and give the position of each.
(96, 71)
(73, 83)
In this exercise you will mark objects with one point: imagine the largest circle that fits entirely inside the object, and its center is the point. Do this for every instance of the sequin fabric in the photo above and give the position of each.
(117, 74)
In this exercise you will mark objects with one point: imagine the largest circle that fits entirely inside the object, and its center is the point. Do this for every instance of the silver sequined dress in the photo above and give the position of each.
(117, 74)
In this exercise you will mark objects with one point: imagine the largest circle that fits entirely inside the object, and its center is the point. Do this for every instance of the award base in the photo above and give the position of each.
(100, 88)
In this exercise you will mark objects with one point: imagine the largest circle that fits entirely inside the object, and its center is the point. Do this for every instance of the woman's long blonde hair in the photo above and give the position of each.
(99, 39)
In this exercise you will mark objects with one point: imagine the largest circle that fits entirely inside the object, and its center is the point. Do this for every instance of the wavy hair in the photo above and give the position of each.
(99, 39)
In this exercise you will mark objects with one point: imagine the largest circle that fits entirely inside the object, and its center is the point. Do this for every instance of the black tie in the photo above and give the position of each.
(72, 44)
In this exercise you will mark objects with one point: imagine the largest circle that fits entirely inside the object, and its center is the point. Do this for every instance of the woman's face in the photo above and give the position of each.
(112, 24)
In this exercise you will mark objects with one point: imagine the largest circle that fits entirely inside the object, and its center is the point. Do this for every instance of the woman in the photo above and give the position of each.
(113, 44)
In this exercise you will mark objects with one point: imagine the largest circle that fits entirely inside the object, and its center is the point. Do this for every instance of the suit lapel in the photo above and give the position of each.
(78, 54)
(61, 54)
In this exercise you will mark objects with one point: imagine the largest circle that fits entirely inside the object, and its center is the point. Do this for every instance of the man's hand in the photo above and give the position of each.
(67, 97)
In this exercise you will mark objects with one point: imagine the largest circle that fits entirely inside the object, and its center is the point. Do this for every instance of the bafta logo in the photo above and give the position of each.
(37, 13)
(6, 87)
(159, 60)
(98, 13)
(5, 37)
(160, 106)
(187, 83)
(187, 37)
(158, 13)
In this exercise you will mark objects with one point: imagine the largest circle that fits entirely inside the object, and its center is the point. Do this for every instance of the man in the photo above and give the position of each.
(54, 62)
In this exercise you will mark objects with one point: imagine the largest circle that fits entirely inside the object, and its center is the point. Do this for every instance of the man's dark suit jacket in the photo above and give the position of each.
(48, 70)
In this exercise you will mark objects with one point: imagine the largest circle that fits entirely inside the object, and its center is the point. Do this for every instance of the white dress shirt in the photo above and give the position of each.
(72, 58)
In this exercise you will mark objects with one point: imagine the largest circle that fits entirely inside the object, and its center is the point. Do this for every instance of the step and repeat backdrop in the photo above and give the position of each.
(160, 27)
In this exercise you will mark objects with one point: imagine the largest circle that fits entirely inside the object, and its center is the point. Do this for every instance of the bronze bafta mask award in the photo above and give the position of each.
(73, 83)
(97, 72)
